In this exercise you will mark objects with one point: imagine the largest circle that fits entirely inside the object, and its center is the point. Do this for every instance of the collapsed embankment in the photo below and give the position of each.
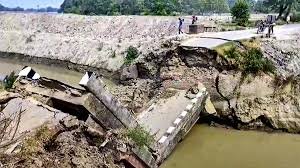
(95, 41)
(254, 101)
(244, 99)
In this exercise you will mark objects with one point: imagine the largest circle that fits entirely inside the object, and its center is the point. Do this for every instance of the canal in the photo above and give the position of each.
(209, 147)
(54, 72)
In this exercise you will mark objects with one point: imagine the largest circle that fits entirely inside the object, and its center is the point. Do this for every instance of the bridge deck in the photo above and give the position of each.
(160, 116)
(213, 39)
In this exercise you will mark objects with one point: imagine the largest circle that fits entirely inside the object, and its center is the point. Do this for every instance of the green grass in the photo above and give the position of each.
(36, 142)
(9, 81)
(232, 26)
(224, 47)
(248, 60)
(140, 136)
(132, 54)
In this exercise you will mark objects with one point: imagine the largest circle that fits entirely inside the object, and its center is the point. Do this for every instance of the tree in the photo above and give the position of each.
(261, 7)
(145, 7)
(241, 12)
(283, 7)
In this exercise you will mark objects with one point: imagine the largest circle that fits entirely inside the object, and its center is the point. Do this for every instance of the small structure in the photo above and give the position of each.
(195, 29)
(29, 73)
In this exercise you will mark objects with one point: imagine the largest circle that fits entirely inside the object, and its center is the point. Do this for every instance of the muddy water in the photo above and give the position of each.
(207, 147)
(54, 72)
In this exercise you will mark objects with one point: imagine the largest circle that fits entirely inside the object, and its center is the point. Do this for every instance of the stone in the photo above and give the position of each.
(70, 122)
(209, 107)
(129, 72)
(91, 123)
(228, 83)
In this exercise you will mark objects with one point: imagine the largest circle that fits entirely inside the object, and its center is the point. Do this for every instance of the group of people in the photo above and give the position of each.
(268, 23)
(181, 21)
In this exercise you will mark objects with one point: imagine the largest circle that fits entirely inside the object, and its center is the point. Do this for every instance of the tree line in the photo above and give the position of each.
(144, 7)
(19, 9)
(173, 7)
(283, 7)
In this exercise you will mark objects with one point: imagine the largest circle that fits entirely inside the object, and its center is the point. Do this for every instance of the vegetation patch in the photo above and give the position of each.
(295, 17)
(140, 136)
(36, 143)
(168, 93)
(132, 54)
(241, 12)
(250, 59)
(232, 26)
(9, 81)
(224, 47)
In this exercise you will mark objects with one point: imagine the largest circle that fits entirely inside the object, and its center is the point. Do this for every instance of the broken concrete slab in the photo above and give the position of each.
(100, 113)
(98, 88)
(21, 116)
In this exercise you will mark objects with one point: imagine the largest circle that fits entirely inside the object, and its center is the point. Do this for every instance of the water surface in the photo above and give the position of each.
(53, 72)
(208, 147)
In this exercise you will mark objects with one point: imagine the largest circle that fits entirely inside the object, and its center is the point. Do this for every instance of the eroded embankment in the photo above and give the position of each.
(96, 41)
(262, 100)
(99, 41)
(256, 95)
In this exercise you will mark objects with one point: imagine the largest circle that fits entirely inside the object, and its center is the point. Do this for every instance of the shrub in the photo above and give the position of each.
(250, 60)
(132, 54)
(255, 62)
(295, 17)
(280, 22)
(140, 136)
(9, 81)
(36, 143)
(241, 12)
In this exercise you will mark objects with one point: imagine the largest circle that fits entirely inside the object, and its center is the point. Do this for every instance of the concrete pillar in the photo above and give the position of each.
(96, 86)
(100, 113)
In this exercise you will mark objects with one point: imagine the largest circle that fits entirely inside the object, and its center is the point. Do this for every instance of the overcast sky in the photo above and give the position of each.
(31, 3)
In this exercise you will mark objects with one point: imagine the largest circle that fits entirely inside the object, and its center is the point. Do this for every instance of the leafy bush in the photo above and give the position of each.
(241, 12)
(132, 54)
(250, 60)
(140, 136)
(9, 81)
(295, 17)
(255, 62)
(280, 22)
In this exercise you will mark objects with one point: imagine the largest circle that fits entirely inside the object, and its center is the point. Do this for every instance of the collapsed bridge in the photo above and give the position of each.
(168, 120)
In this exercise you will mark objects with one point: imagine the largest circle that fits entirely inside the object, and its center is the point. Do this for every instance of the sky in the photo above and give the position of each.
(31, 3)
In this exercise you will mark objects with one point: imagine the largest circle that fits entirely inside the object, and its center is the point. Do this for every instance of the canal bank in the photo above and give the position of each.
(211, 147)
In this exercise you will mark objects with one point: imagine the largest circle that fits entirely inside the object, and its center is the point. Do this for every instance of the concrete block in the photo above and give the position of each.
(195, 29)
(101, 114)
(28, 72)
(146, 156)
(96, 86)
(177, 121)
(189, 107)
(162, 139)
(184, 113)
(171, 130)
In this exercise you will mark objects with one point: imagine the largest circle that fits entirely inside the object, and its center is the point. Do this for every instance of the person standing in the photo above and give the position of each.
(194, 19)
(288, 19)
(180, 26)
